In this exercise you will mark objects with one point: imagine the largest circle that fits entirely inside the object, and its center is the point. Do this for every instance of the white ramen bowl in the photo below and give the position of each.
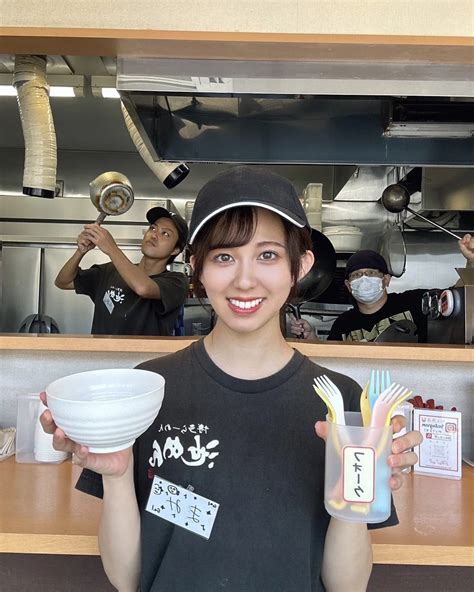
(106, 410)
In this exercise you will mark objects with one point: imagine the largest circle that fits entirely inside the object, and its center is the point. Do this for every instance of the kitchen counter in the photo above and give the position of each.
(153, 345)
(41, 512)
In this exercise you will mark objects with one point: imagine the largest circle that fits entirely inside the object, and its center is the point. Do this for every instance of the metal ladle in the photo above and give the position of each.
(396, 198)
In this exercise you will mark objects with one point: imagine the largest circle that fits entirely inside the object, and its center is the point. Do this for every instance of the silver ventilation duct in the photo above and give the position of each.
(39, 177)
(169, 173)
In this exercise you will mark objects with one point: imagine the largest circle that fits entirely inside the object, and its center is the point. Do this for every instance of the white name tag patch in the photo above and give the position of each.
(108, 302)
(182, 507)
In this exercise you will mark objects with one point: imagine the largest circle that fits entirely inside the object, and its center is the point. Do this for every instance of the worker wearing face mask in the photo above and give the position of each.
(367, 279)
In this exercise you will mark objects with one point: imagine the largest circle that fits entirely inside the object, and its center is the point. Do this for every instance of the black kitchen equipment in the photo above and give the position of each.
(402, 331)
(451, 312)
(396, 198)
(39, 322)
(319, 277)
(112, 194)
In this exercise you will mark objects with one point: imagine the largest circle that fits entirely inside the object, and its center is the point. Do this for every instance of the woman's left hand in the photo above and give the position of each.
(401, 458)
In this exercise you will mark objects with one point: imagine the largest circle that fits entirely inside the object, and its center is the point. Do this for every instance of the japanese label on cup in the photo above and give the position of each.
(182, 507)
(358, 468)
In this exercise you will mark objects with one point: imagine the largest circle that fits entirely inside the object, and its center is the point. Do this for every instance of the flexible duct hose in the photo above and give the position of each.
(39, 176)
(169, 173)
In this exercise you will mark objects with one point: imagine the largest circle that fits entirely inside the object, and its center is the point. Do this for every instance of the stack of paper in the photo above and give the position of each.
(7, 442)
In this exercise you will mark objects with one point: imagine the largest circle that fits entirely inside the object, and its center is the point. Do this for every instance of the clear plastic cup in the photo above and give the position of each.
(33, 445)
(43, 443)
(357, 473)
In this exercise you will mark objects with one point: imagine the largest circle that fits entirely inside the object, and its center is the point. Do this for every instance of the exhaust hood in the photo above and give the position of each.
(300, 112)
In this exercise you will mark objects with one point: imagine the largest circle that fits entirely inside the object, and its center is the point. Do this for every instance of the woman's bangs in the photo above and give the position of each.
(234, 228)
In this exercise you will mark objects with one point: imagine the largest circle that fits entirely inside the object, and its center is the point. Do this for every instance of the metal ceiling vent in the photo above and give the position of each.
(294, 112)
(39, 176)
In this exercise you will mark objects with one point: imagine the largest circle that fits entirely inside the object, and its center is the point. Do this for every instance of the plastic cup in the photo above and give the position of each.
(43, 443)
(357, 473)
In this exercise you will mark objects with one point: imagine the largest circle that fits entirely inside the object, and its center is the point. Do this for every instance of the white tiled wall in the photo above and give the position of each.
(26, 371)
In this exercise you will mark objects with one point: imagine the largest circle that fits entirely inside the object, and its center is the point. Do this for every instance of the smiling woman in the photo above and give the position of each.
(237, 426)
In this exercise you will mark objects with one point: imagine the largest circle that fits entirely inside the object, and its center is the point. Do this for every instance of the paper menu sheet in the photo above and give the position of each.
(440, 452)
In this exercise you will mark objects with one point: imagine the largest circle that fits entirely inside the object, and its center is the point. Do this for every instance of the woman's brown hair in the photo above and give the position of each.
(235, 227)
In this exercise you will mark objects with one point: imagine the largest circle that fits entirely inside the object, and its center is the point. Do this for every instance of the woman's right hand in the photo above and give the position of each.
(112, 464)
(301, 328)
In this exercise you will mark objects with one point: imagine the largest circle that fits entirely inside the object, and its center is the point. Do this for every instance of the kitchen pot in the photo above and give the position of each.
(112, 194)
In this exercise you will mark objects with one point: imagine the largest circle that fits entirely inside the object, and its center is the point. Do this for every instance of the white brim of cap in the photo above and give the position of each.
(256, 204)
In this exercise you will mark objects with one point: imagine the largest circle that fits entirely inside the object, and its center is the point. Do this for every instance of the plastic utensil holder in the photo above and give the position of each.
(27, 416)
(357, 473)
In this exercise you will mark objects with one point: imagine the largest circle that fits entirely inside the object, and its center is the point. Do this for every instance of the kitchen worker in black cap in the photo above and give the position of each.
(132, 299)
(367, 279)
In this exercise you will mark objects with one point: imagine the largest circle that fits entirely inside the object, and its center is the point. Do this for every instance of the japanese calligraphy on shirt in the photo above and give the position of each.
(189, 444)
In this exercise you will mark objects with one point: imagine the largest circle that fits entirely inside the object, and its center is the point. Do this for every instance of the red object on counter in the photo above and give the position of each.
(418, 402)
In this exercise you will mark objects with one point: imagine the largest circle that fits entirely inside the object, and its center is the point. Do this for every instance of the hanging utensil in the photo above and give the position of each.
(112, 194)
(396, 198)
(393, 250)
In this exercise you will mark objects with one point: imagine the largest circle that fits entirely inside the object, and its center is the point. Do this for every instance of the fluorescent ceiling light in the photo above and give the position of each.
(110, 93)
(54, 91)
(7, 90)
(104, 87)
(429, 130)
(61, 91)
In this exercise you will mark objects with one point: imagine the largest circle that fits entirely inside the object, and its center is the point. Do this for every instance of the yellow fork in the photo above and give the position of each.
(365, 406)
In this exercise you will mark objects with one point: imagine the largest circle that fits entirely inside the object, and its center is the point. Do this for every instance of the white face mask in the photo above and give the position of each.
(367, 289)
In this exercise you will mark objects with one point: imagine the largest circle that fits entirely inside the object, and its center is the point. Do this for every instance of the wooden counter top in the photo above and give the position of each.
(237, 45)
(41, 512)
(153, 345)
(436, 523)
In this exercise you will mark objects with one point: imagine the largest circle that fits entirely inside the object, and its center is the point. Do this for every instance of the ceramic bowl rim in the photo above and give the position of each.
(159, 387)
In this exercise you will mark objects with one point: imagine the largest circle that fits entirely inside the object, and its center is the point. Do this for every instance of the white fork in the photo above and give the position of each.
(385, 404)
(334, 396)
